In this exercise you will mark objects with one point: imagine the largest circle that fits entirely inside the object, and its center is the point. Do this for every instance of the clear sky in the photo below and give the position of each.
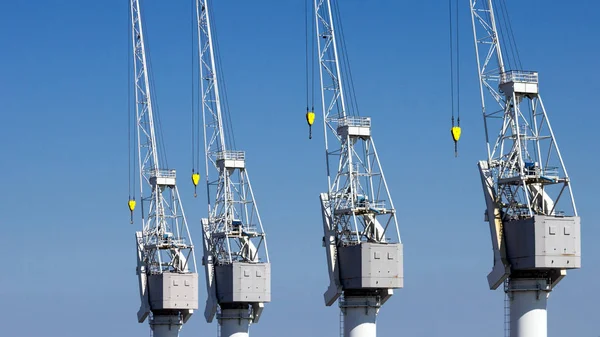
(68, 245)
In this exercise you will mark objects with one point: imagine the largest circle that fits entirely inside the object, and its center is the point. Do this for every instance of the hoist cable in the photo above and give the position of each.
(512, 35)
(350, 93)
(129, 110)
(192, 44)
(307, 51)
(158, 130)
(451, 57)
(226, 116)
(314, 38)
(454, 72)
(504, 38)
(457, 66)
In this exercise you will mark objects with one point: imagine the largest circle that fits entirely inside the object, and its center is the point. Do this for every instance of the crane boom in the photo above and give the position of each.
(534, 224)
(165, 252)
(233, 236)
(359, 218)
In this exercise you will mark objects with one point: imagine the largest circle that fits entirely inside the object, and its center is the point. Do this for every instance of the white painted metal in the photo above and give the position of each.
(233, 231)
(234, 322)
(527, 170)
(357, 207)
(164, 244)
(528, 315)
(524, 174)
(165, 325)
(360, 316)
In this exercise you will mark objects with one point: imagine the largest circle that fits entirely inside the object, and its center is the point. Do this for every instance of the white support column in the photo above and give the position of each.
(360, 316)
(234, 322)
(528, 315)
(165, 325)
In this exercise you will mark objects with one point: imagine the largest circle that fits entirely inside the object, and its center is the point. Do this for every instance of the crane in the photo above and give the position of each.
(236, 259)
(166, 264)
(531, 211)
(361, 235)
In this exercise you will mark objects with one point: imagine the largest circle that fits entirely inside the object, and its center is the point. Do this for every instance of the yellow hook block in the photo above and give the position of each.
(195, 178)
(455, 133)
(310, 119)
(131, 205)
(195, 181)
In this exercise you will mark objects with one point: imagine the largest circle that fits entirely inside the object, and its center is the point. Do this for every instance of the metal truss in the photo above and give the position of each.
(234, 231)
(361, 207)
(524, 160)
(164, 244)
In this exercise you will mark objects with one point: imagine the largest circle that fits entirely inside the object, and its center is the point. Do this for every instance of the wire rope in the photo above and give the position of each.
(193, 135)
(130, 174)
(350, 93)
(451, 57)
(307, 51)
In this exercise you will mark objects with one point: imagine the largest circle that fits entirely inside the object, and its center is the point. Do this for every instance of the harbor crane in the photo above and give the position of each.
(531, 211)
(361, 236)
(236, 259)
(166, 264)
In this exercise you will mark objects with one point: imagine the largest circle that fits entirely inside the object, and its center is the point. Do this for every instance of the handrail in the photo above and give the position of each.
(231, 155)
(355, 121)
(163, 173)
(519, 76)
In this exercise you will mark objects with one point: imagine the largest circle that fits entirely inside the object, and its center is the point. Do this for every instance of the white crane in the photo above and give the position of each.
(531, 212)
(166, 265)
(238, 272)
(361, 235)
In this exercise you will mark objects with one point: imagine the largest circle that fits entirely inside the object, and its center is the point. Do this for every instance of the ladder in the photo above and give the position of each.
(506, 310)
(340, 302)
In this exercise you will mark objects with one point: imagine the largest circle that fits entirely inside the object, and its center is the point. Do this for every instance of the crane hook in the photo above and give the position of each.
(195, 180)
(131, 205)
(310, 119)
(455, 131)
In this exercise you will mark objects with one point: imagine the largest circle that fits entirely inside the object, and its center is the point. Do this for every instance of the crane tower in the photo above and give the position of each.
(166, 264)
(531, 212)
(361, 235)
(236, 259)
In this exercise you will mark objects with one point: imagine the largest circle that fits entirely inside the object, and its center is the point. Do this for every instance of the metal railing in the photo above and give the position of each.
(355, 121)
(550, 172)
(163, 173)
(231, 155)
(519, 76)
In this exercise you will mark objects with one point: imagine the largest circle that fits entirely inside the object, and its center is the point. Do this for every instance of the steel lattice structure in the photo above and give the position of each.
(359, 198)
(359, 218)
(531, 211)
(233, 232)
(164, 244)
(358, 206)
(524, 159)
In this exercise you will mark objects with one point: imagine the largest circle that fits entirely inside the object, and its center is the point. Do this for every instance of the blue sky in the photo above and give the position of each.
(68, 244)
